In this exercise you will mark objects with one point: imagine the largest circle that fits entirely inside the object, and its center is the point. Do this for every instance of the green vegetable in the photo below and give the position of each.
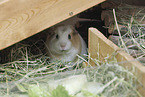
(37, 91)
(60, 91)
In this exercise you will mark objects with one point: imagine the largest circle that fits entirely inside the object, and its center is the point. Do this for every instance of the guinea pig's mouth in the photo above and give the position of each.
(63, 50)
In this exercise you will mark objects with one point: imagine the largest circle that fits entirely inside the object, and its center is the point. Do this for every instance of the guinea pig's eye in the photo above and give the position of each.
(69, 36)
(57, 36)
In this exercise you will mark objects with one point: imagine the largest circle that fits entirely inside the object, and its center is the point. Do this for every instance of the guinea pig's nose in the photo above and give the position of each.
(62, 46)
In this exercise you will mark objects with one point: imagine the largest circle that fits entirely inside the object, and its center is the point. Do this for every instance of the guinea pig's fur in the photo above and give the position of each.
(65, 43)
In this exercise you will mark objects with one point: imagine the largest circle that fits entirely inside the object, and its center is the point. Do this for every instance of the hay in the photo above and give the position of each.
(31, 76)
(135, 32)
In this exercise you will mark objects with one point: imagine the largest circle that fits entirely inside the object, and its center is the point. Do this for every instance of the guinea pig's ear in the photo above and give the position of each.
(51, 32)
(74, 31)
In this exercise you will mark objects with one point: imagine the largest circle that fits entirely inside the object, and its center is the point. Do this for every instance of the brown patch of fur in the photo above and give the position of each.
(76, 42)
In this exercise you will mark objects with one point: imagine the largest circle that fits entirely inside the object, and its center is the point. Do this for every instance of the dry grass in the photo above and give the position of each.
(30, 69)
(135, 31)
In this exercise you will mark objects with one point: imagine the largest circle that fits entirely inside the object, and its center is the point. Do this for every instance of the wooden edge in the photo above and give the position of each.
(98, 43)
(20, 19)
(135, 67)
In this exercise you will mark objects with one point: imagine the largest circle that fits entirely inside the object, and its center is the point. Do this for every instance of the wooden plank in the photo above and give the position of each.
(98, 47)
(20, 19)
(98, 43)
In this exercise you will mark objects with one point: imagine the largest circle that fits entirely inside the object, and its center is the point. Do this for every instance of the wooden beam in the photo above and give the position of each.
(20, 19)
(98, 43)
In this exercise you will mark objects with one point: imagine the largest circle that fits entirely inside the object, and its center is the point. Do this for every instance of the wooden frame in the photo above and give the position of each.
(20, 19)
(98, 43)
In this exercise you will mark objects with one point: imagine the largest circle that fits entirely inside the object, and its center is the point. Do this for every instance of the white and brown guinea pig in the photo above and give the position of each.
(65, 43)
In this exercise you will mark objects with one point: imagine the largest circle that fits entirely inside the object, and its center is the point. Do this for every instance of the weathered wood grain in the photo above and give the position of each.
(20, 19)
(98, 43)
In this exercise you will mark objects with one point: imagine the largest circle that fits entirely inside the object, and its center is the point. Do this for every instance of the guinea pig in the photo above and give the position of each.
(65, 43)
